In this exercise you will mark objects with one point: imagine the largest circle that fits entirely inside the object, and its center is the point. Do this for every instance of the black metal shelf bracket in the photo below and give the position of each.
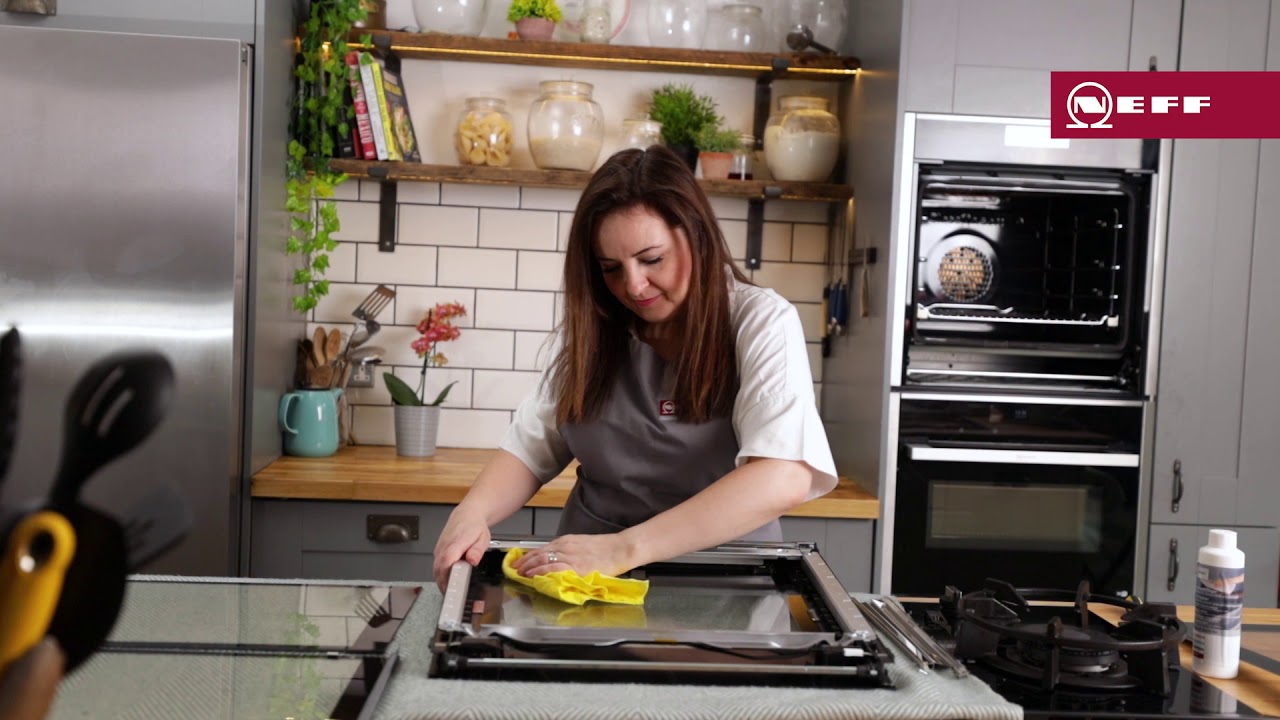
(386, 209)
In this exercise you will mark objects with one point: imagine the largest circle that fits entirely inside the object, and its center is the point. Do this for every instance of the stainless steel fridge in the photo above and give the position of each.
(124, 179)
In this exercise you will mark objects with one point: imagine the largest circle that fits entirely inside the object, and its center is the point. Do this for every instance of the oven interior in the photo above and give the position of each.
(723, 618)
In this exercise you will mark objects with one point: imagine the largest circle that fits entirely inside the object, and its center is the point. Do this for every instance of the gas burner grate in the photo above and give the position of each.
(1066, 646)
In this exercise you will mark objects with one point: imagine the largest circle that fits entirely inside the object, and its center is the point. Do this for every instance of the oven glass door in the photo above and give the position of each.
(1044, 519)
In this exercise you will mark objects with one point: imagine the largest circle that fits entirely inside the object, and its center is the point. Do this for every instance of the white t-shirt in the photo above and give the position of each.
(774, 414)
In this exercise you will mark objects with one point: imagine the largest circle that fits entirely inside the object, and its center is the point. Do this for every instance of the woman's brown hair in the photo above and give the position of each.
(596, 327)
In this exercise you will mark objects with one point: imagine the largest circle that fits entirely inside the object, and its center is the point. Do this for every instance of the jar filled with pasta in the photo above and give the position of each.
(484, 134)
(566, 127)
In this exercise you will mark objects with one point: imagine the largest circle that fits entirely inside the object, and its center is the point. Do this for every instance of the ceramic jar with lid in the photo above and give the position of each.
(456, 17)
(484, 133)
(566, 127)
(641, 133)
(802, 139)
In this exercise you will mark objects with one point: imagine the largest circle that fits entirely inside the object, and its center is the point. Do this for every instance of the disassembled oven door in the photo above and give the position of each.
(770, 613)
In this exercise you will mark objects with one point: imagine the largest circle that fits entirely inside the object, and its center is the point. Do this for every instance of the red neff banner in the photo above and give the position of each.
(1165, 104)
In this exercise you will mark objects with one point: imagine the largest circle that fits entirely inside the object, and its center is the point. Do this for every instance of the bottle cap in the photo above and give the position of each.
(1222, 539)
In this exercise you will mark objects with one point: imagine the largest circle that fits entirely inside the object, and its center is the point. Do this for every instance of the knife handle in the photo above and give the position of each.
(35, 561)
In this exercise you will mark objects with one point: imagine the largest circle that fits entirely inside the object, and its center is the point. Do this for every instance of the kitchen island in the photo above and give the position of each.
(367, 513)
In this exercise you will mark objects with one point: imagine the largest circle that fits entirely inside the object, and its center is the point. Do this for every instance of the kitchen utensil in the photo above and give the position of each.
(800, 38)
(112, 409)
(366, 353)
(10, 380)
(376, 301)
(309, 419)
(34, 564)
(318, 339)
(332, 345)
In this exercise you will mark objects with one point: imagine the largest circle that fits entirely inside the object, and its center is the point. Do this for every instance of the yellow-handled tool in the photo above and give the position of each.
(35, 561)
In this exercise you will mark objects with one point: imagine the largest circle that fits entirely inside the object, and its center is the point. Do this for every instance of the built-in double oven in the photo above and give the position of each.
(1020, 363)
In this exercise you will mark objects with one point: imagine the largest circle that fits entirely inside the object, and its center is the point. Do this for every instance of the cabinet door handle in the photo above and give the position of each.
(391, 529)
(1177, 485)
(1173, 563)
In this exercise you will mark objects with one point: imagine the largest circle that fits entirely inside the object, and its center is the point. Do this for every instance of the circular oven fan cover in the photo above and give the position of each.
(961, 268)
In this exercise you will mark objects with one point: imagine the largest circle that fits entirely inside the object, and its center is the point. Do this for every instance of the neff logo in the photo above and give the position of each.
(1090, 105)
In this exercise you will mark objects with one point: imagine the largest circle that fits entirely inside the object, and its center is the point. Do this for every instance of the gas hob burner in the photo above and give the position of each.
(1065, 646)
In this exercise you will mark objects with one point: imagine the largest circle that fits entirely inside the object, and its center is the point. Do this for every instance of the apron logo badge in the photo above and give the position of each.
(667, 407)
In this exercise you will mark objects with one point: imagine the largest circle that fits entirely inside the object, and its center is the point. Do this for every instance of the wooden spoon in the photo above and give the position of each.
(318, 347)
(333, 345)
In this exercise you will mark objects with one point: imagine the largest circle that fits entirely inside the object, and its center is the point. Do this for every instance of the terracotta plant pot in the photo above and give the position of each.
(532, 28)
(716, 165)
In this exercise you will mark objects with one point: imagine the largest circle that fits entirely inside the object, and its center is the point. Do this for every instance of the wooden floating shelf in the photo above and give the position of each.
(475, 174)
(441, 46)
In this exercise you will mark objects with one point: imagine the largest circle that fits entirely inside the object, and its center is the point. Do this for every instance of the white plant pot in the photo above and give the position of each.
(416, 429)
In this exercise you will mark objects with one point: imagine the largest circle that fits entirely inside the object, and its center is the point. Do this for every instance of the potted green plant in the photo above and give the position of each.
(534, 19)
(417, 421)
(716, 145)
(319, 118)
(682, 112)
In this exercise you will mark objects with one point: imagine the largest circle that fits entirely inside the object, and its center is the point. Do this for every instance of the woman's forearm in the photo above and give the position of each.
(503, 486)
(743, 500)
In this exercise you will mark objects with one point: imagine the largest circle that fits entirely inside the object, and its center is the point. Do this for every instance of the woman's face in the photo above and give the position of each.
(646, 264)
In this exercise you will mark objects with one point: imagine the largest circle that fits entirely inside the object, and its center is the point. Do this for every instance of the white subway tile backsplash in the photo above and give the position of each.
(502, 390)
(342, 263)
(811, 320)
(735, 236)
(437, 378)
(808, 243)
(480, 195)
(538, 198)
(539, 270)
(371, 190)
(727, 208)
(396, 339)
(533, 350)
(357, 221)
(439, 225)
(414, 302)
(373, 425)
(559, 310)
(349, 190)
(514, 310)
(422, 193)
(483, 349)
(523, 229)
(562, 231)
(468, 267)
(775, 242)
(797, 211)
(410, 264)
(342, 299)
(797, 283)
(472, 428)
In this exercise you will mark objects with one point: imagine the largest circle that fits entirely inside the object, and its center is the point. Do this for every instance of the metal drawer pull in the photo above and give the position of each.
(1173, 563)
(1022, 457)
(1177, 484)
(391, 529)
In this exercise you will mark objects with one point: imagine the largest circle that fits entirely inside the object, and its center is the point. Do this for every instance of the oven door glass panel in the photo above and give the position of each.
(1026, 426)
(1027, 259)
(1034, 525)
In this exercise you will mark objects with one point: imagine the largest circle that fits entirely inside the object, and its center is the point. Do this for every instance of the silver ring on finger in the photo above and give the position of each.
(552, 557)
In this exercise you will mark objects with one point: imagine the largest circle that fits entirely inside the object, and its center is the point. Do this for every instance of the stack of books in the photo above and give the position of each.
(383, 130)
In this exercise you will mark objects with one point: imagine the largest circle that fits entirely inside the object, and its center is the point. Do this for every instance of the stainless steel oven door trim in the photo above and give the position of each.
(928, 453)
(1021, 399)
(901, 264)
(1014, 141)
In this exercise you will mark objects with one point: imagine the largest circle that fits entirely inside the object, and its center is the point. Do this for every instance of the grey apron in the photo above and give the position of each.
(636, 459)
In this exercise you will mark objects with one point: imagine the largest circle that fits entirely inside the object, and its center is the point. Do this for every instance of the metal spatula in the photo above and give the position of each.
(375, 303)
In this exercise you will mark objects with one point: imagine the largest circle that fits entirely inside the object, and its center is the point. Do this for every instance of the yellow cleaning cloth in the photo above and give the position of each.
(569, 586)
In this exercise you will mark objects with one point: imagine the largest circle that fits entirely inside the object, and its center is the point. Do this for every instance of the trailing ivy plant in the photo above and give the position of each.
(320, 116)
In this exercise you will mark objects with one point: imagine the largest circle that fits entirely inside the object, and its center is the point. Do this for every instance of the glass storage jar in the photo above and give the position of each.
(801, 139)
(741, 166)
(677, 23)
(641, 133)
(737, 27)
(824, 18)
(457, 17)
(566, 127)
(597, 23)
(484, 133)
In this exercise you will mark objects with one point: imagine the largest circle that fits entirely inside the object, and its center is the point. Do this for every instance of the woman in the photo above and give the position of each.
(683, 390)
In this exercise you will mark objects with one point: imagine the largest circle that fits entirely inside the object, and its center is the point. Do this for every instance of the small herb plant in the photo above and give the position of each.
(436, 327)
(319, 118)
(714, 138)
(682, 113)
(521, 9)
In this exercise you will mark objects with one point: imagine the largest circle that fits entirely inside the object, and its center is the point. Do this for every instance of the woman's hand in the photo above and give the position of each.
(609, 554)
(465, 536)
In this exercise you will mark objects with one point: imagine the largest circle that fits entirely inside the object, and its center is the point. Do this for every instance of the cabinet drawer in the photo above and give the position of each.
(1171, 563)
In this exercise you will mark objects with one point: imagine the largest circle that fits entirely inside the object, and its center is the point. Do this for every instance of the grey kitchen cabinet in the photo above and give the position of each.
(337, 540)
(1216, 453)
(197, 18)
(993, 57)
(1171, 575)
(845, 544)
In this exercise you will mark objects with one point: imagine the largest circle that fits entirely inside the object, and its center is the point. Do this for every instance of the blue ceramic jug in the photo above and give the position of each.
(309, 419)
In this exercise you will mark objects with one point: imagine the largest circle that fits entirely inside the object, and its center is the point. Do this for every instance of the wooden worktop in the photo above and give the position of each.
(376, 473)
(1254, 686)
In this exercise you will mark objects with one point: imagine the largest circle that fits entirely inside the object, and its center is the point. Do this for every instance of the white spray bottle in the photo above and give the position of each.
(1219, 600)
